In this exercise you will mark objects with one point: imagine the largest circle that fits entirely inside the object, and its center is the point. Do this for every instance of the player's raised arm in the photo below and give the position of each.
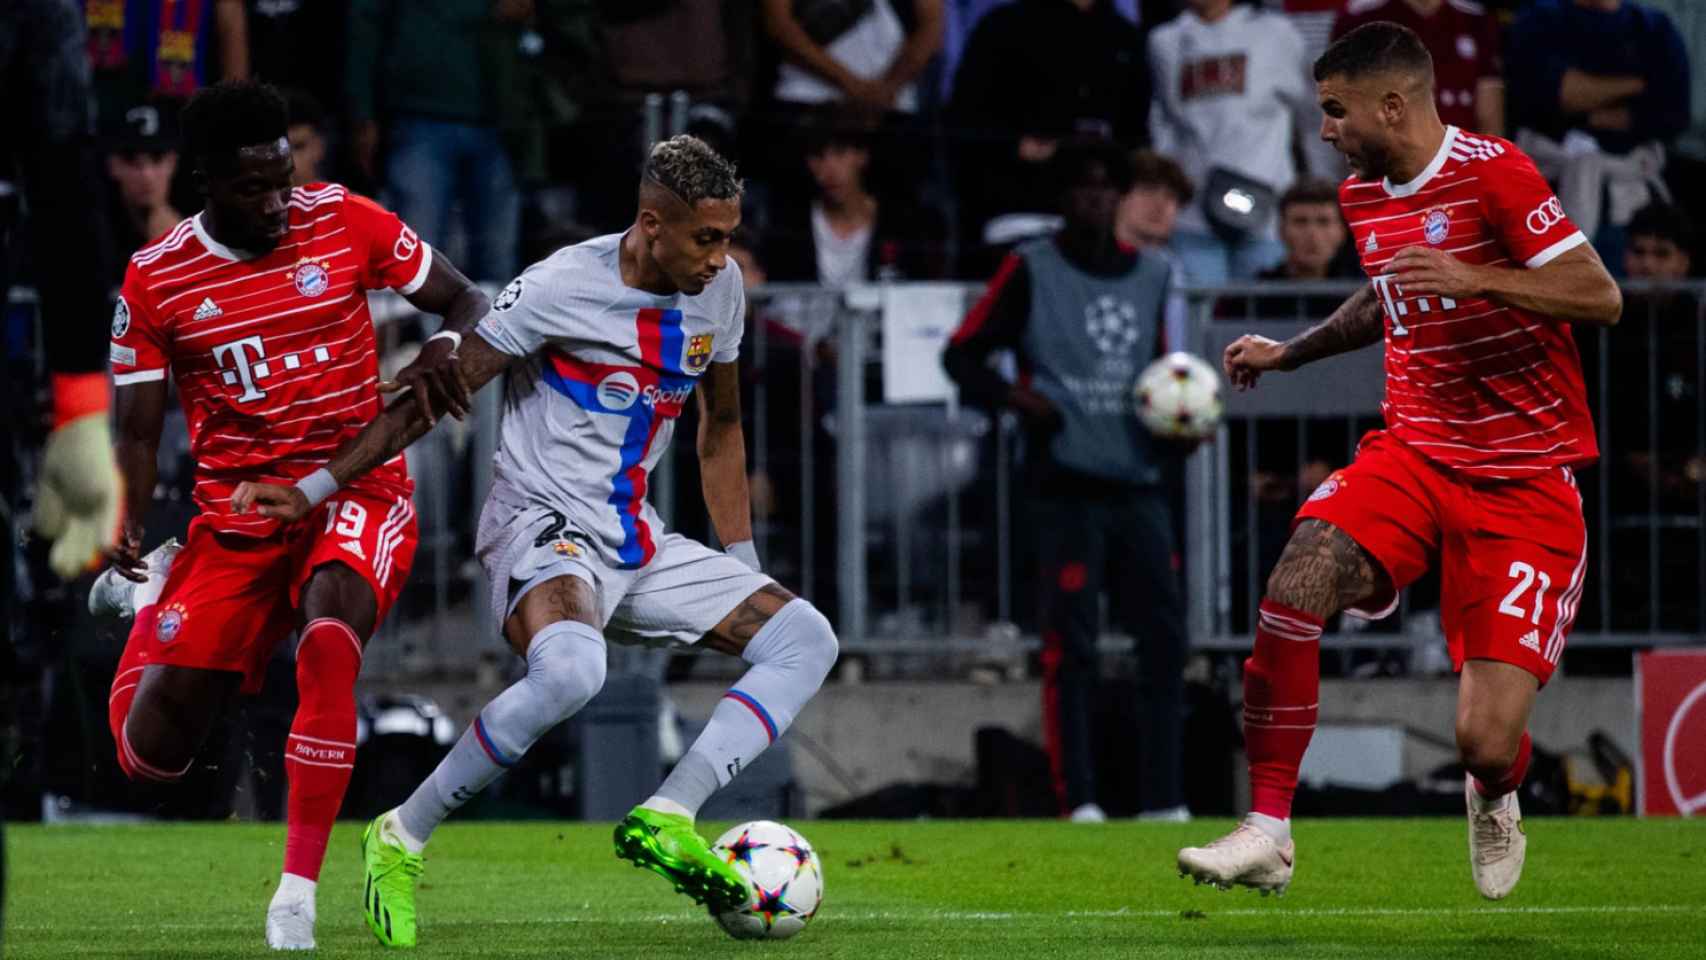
(388, 435)
(722, 455)
(1356, 324)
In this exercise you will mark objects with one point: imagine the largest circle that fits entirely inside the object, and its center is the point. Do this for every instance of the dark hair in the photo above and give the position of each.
(302, 108)
(228, 116)
(1074, 157)
(1309, 190)
(832, 127)
(1376, 48)
(1665, 222)
(687, 167)
(1151, 169)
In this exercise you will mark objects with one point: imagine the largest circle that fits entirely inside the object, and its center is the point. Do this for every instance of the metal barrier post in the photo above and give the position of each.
(850, 472)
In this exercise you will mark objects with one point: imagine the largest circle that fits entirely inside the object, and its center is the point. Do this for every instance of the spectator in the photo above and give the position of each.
(1690, 19)
(1035, 71)
(1613, 69)
(307, 136)
(1150, 208)
(141, 158)
(852, 50)
(846, 234)
(1463, 38)
(137, 50)
(1661, 245)
(1085, 316)
(1313, 232)
(429, 82)
(1232, 86)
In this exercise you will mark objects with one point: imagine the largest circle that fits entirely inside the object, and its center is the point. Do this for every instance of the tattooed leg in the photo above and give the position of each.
(1323, 571)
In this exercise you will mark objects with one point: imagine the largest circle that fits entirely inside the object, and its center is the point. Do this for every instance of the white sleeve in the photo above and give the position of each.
(521, 319)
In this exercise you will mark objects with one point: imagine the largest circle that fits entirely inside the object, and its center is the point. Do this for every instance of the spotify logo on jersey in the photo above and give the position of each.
(618, 391)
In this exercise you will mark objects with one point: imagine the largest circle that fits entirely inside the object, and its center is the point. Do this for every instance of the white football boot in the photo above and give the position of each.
(112, 595)
(290, 916)
(1497, 842)
(1088, 813)
(1247, 856)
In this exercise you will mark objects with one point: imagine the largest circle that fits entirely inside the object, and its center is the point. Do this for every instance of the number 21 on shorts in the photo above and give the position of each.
(1525, 576)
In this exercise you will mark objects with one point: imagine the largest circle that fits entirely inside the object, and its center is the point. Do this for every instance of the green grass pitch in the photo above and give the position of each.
(1383, 889)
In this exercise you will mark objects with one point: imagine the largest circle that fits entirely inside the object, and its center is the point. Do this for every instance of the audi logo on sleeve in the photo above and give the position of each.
(1545, 217)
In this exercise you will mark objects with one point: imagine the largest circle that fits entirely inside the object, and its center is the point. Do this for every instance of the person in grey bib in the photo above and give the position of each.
(1083, 316)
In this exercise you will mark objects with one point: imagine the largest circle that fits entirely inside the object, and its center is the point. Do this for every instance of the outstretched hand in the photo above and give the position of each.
(1249, 356)
(435, 380)
(270, 500)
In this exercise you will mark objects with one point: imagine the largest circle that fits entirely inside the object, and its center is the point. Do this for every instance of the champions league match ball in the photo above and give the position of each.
(786, 878)
(1179, 396)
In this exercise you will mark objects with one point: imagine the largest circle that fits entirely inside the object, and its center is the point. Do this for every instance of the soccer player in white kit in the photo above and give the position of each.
(605, 341)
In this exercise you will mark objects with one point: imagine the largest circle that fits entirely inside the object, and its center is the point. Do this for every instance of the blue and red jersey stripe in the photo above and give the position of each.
(659, 377)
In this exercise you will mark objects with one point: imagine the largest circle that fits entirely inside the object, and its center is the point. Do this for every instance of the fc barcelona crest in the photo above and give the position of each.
(698, 353)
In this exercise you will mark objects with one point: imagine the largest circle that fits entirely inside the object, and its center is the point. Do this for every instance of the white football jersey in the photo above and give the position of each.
(608, 370)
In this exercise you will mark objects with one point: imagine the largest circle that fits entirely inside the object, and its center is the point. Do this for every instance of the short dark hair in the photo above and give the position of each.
(687, 167)
(228, 116)
(1665, 222)
(1376, 48)
(1309, 190)
(1074, 157)
(1151, 169)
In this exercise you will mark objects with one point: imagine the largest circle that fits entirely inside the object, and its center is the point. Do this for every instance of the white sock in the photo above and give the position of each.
(666, 805)
(565, 668)
(393, 827)
(292, 888)
(1279, 830)
(790, 656)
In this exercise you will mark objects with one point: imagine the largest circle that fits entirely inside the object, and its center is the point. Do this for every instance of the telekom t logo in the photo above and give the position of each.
(238, 351)
(237, 366)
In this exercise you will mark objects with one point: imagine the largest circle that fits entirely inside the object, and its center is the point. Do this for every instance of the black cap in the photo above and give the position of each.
(151, 126)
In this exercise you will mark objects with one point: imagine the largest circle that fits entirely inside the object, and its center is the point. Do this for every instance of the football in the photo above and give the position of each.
(786, 878)
(1179, 396)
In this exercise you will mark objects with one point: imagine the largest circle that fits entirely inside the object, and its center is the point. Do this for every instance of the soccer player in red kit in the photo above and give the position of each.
(258, 307)
(1477, 278)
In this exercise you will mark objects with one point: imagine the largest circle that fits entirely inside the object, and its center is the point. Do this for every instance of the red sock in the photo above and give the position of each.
(1512, 777)
(320, 754)
(123, 690)
(1282, 684)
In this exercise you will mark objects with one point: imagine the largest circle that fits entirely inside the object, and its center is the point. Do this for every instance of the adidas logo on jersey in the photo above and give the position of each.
(208, 309)
(1531, 640)
(354, 547)
(1373, 243)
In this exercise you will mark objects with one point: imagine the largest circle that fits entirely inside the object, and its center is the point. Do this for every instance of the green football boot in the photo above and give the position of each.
(388, 897)
(667, 844)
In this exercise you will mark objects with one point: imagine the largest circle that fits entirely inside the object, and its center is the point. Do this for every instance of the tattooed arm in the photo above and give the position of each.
(1356, 324)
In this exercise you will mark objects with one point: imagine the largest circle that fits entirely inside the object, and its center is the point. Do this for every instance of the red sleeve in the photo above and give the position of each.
(138, 350)
(1523, 211)
(393, 255)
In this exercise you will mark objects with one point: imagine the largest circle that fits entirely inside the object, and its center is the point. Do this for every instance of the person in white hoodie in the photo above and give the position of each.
(1232, 93)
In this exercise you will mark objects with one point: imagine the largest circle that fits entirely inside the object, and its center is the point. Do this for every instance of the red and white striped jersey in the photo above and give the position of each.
(1485, 389)
(273, 356)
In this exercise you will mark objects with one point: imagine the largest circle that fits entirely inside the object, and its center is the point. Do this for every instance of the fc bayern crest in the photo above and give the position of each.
(121, 319)
(311, 278)
(170, 622)
(1435, 225)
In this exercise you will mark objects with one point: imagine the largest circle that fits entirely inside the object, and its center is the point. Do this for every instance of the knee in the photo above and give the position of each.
(1485, 752)
(570, 676)
(803, 641)
(147, 761)
(817, 646)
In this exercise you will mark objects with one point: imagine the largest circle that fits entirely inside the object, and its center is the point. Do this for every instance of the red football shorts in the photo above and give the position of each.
(229, 600)
(1512, 553)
